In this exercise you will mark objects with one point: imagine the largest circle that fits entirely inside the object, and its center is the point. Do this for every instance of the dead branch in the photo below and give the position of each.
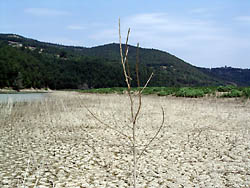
(153, 138)
(105, 124)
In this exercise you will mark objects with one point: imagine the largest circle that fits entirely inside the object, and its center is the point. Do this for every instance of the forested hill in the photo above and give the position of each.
(30, 63)
(233, 76)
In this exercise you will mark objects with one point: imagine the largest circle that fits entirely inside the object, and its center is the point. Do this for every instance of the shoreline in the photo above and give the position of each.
(24, 91)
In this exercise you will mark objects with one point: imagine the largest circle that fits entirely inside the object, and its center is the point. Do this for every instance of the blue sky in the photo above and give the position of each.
(205, 33)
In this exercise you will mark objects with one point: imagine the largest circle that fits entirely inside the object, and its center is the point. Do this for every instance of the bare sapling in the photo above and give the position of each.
(135, 113)
(135, 107)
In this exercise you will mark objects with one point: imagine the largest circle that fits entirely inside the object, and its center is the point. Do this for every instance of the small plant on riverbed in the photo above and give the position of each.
(135, 98)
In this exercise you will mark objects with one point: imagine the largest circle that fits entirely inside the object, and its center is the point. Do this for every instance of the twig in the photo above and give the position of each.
(140, 92)
(137, 66)
(147, 82)
(138, 83)
(126, 59)
(153, 138)
(108, 126)
(123, 61)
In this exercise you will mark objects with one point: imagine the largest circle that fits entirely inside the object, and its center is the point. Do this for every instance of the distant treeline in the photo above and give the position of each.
(26, 63)
(233, 76)
(23, 68)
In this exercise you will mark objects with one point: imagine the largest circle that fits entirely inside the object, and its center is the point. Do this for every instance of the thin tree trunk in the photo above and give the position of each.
(134, 155)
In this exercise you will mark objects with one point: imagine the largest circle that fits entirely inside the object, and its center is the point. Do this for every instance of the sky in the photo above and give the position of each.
(204, 33)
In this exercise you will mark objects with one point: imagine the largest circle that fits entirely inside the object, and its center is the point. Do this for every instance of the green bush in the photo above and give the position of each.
(233, 93)
(225, 88)
(167, 91)
(164, 93)
(189, 92)
(148, 91)
(246, 92)
(208, 91)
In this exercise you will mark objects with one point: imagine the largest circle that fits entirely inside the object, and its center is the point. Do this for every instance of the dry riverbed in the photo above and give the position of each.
(58, 143)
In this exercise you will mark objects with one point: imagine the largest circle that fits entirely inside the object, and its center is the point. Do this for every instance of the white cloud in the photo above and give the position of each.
(151, 18)
(202, 42)
(161, 31)
(164, 23)
(199, 10)
(63, 41)
(204, 11)
(45, 12)
(105, 36)
(169, 32)
(243, 19)
(76, 27)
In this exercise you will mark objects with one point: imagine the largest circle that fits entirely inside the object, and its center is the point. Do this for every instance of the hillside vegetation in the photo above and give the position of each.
(234, 76)
(26, 63)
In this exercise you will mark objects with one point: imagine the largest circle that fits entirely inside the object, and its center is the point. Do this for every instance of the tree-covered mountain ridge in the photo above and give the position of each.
(31, 63)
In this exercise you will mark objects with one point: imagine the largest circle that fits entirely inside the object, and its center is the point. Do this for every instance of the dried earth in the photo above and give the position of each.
(58, 143)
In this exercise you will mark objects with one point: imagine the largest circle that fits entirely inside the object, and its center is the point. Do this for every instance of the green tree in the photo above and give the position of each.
(18, 83)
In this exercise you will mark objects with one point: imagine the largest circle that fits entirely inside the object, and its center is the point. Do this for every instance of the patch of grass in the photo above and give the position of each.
(149, 91)
(167, 91)
(233, 93)
(190, 92)
(164, 93)
(225, 88)
(160, 91)
(209, 90)
(246, 92)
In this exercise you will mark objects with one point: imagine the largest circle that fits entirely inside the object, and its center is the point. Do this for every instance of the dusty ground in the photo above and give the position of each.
(57, 143)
